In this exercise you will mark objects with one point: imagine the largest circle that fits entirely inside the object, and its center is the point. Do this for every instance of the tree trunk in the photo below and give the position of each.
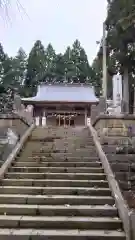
(134, 102)
(126, 90)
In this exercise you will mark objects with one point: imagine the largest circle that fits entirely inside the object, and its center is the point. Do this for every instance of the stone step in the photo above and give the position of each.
(76, 234)
(123, 158)
(58, 132)
(118, 131)
(58, 210)
(73, 146)
(54, 190)
(54, 183)
(63, 150)
(60, 149)
(56, 169)
(55, 199)
(58, 159)
(124, 167)
(70, 139)
(111, 148)
(116, 141)
(66, 137)
(67, 154)
(56, 164)
(126, 186)
(93, 223)
(125, 176)
(73, 176)
(55, 186)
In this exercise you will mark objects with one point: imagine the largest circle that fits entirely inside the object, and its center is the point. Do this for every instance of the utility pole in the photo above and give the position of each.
(104, 80)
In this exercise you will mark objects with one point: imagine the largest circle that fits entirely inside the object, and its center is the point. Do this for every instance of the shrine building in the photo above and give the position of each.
(62, 104)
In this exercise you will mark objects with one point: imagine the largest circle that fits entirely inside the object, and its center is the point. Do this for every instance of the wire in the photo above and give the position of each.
(5, 4)
(20, 6)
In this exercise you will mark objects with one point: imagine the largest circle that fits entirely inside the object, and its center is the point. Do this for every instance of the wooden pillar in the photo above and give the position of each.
(69, 120)
(59, 120)
(85, 116)
(64, 120)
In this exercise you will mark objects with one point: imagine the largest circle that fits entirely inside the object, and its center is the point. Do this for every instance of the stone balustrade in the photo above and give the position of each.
(97, 110)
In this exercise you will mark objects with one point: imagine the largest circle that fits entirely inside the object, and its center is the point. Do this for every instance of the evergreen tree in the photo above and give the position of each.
(69, 68)
(21, 60)
(50, 65)
(75, 54)
(35, 67)
(120, 38)
(9, 74)
(2, 59)
(50, 56)
(60, 71)
(44, 65)
(14, 69)
(2, 54)
(84, 68)
(97, 80)
(79, 58)
(6, 93)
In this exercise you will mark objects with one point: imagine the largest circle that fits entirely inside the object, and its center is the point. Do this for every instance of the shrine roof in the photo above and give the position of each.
(64, 93)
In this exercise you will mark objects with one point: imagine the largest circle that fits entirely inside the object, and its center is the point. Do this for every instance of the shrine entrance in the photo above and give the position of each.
(65, 120)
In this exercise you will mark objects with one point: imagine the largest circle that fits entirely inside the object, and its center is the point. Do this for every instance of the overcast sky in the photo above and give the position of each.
(57, 21)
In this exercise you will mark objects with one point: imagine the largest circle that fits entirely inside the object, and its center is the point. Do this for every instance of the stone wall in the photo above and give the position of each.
(114, 125)
(97, 110)
(20, 111)
(18, 125)
(122, 165)
(111, 167)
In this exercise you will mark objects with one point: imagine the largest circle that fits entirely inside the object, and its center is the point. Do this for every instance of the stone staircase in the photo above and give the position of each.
(56, 189)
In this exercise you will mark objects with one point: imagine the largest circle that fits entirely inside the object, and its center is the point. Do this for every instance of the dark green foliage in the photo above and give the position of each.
(120, 31)
(23, 74)
(35, 65)
(121, 42)
(44, 65)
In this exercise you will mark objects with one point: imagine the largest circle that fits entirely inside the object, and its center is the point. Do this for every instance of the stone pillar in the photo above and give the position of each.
(118, 105)
(44, 119)
(94, 113)
(37, 121)
(12, 138)
(117, 88)
(88, 121)
(17, 103)
(124, 107)
(102, 105)
(27, 113)
(126, 90)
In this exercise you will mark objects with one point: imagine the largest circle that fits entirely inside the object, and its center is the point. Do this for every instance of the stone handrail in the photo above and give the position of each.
(127, 216)
(25, 115)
